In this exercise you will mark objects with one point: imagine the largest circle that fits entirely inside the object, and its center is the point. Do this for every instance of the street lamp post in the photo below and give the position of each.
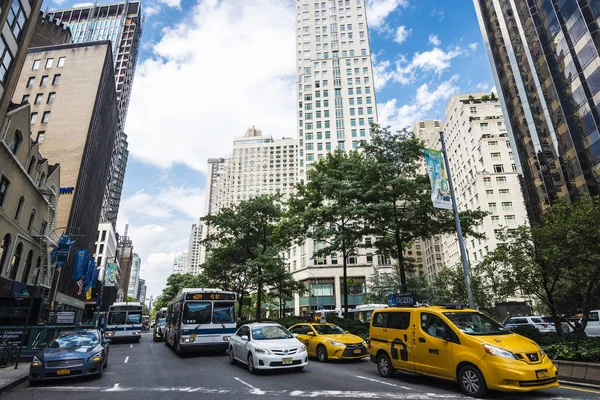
(37, 277)
(310, 292)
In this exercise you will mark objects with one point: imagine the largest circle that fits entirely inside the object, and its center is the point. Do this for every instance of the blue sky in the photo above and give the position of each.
(208, 69)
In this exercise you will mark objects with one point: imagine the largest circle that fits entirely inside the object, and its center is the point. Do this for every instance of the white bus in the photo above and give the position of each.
(124, 321)
(363, 312)
(200, 319)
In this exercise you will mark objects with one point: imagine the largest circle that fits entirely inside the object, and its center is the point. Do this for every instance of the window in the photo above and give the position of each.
(6, 57)
(504, 193)
(369, 258)
(495, 220)
(33, 117)
(36, 64)
(501, 180)
(510, 219)
(56, 79)
(46, 116)
(31, 220)
(492, 207)
(498, 168)
(51, 98)
(38, 98)
(490, 194)
(103, 236)
(4, 184)
(49, 62)
(27, 269)
(61, 62)
(487, 182)
(44, 80)
(16, 19)
(16, 260)
(19, 208)
(496, 157)
(507, 206)
(30, 82)
(16, 142)
(25, 99)
(4, 246)
(430, 324)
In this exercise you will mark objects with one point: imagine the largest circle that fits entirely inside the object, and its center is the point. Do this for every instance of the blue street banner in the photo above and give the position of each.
(81, 260)
(94, 278)
(440, 189)
(91, 267)
(61, 253)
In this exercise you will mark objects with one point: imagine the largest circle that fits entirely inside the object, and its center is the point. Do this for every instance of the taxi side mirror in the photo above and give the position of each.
(295, 335)
(441, 332)
(310, 333)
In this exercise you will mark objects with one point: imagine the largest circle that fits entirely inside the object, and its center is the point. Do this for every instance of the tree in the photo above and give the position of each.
(283, 285)
(331, 208)
(398, 204)
(250, 237)
(175, 283)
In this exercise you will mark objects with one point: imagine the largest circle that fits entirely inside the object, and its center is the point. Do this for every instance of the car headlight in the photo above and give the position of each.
(261, 351)
(36, 362)
(96, 357)
(364, 343)
(497, 351)
(302, 349)
(110, 334)
(334, 343)
(226, 338)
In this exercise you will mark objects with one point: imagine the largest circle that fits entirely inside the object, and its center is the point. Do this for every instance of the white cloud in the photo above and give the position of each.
(171, 3)
(378, 11)
(151, 10)
(59, 2)
(212, 76)
(473, 46)
(483, 86)
(86, 4)
(436, 12)
(165, 203)
(399, 117)
(402, 34)
(434, 40)
(381, 73)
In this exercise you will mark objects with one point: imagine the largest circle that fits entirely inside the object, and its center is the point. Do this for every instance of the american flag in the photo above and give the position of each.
(79, 286)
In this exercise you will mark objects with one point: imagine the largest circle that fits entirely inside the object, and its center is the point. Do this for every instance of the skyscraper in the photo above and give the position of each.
(545, 63)
(134, 276)
(336, 105)
(195, 250)
(121, 23)
(179, 263)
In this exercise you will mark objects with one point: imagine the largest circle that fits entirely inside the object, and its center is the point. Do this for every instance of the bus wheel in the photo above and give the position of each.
(178, 349)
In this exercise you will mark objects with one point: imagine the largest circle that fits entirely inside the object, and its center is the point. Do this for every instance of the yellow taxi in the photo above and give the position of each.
(458, 344)
(329, 341)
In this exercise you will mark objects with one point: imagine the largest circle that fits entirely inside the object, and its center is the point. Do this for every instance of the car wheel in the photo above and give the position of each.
(472, 382)
(232, 359)
(250, 360)
(384, 366)
(322, 353)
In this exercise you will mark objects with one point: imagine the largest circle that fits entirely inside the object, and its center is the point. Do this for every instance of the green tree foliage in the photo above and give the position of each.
(283, 286)
(330, 207)
(397, 204)
(175, 283)
(247, 241)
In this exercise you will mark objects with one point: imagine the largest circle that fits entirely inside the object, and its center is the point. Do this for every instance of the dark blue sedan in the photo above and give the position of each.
(69, 354)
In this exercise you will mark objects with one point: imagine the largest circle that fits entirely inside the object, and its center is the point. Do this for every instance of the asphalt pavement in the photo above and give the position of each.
(150, 371)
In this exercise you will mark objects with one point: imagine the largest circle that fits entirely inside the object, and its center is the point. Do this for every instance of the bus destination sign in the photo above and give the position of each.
(210, 296)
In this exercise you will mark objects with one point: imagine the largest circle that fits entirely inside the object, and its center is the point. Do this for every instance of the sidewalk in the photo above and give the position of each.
(11, 377)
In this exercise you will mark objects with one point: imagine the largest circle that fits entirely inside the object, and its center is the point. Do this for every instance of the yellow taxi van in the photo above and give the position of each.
(458, 344)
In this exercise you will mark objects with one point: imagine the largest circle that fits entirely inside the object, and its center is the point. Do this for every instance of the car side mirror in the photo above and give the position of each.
(106, 341)
(295, 335)
(245, 337)
(441, 332)
(310, 333)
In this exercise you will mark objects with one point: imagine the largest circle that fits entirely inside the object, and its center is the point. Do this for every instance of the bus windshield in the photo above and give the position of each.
(224, 313)
(134, 317)
(117, 317)
(196, 312)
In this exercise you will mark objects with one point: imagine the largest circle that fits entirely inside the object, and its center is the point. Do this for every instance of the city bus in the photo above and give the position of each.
(200, 319)
(363, 312)
(124, 321)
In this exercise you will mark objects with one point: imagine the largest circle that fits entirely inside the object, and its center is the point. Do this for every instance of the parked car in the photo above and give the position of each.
(266, 346)
(593, 325)
(158, 333)
(457, 344)
(71, 353)
(543, 324)
(329, 341)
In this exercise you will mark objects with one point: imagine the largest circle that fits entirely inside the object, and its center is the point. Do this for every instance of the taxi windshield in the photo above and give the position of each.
(328, 329)
(476, 324)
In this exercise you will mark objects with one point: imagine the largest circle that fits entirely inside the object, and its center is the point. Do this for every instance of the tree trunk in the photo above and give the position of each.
(400, 257)
(345, 283)
(259, 296)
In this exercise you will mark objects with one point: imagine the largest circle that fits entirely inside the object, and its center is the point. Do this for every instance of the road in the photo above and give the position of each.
(150, 371)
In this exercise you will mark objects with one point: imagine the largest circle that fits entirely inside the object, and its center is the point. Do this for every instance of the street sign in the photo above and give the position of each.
(401, 299)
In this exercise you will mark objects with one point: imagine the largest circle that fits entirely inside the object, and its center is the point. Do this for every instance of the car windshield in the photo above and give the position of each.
(74, 340)
(474, 323)
(162, 322)
(224, 313)
(270, 332)
(328, 329)
(196, 312)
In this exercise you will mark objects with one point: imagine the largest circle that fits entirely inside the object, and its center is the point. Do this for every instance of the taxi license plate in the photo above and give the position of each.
(286, 361)
(357, 351)
(193, 335)
(542, 374)
(63, 372)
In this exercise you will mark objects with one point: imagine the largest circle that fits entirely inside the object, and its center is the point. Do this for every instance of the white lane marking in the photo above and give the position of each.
(255, 390)
(376, 380)
(117, 388)
(126, 359)
(131, 346)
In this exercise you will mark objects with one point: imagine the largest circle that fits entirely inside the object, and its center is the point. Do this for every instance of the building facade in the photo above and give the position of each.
(141, 292)
(57, 80)
(49, 32)
(484, 172)
(121, 23)
(545, 64)
(179, 263)
(134, 276)
(195, 250)
(29, 190)
(336, 105)
(125, 256)
(18, 19)
(105, 254)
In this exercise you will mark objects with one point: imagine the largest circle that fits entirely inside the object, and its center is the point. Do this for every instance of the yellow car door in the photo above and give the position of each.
(302, 331)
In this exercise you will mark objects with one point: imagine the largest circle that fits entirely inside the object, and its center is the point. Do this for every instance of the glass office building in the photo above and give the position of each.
(545, 62)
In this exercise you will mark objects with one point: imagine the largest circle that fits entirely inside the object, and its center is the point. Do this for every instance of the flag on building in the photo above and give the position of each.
(79, 287)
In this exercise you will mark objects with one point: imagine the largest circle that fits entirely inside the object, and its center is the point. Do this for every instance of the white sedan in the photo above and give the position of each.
(266, 346)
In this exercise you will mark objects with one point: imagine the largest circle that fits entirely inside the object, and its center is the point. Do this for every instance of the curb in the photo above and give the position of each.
(579, 384)
(11, 384)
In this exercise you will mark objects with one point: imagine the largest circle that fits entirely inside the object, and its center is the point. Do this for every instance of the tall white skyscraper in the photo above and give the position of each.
(336, 105)
(179, 263)
(134, 276)
(195, 250)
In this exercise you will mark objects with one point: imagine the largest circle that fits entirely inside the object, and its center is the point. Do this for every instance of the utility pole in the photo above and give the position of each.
(37, 277)
(461, 241)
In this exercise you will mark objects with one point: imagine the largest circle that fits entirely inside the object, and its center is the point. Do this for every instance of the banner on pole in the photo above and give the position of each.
(440, 189)
(110, 276)
(81, 259)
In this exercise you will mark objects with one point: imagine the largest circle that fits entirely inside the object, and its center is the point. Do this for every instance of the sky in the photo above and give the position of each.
(209, 69)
